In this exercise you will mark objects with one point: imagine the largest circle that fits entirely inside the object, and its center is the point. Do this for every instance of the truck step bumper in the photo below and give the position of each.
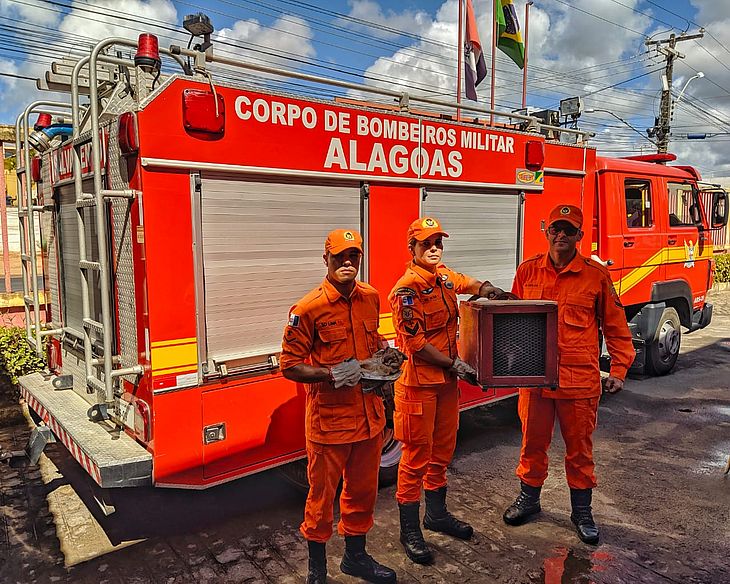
(701, 318)
(111, 458)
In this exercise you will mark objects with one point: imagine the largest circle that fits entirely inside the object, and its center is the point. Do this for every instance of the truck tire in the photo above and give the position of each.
(296, 472)
(663, 350)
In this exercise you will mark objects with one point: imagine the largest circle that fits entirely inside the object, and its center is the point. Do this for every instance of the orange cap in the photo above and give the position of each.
(569, 213)
(424, 228)
(341, 239)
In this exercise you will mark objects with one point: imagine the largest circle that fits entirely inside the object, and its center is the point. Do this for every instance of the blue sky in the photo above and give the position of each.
(593, 48)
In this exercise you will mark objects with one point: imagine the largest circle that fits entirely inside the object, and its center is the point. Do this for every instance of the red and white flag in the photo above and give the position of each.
(475, 67)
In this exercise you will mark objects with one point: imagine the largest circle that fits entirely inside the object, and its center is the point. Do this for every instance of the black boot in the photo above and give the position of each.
(317, 563)
(582, 517)
(438, 518)
(411, 536)
(357, 562)
(525, 506)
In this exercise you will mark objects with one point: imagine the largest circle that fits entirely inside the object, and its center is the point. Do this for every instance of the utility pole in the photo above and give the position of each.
(662, 124)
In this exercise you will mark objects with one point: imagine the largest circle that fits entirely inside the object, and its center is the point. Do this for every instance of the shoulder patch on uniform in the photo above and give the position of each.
(405, 291)
(293, 320)
(412, 329)
(407, 313)
(406, 300)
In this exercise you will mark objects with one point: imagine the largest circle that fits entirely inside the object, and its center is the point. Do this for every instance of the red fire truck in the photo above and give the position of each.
(183, 215)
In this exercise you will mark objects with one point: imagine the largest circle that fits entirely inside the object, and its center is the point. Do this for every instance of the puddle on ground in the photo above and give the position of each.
(715, 461)
(569, 566)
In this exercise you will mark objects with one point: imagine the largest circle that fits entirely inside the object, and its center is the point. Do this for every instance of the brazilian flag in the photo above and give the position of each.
(509, 38)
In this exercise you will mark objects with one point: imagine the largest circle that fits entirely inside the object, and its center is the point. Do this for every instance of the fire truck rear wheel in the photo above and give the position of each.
(663, 351)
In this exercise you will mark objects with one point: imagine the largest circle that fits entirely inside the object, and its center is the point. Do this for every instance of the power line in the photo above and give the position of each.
(17, 76)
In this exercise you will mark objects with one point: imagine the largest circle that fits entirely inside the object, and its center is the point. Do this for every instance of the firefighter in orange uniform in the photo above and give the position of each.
(425, 316)
(587, 302)
(330, 330)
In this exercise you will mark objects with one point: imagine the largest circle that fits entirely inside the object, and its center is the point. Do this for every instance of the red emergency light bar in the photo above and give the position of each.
(148, 52)
(128, 137)
(657, 158)
(204, 114)
(35, 169)
(534, 154)
(44, 120)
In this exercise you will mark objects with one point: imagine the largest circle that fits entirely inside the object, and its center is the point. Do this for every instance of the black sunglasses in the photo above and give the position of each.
(568, 229)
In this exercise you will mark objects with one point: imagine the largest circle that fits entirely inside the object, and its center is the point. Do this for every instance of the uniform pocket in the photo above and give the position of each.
(409, 423)
(579, 370)
(334, 345)
(336, 410)
(532, 292)
(371, 332)
(435, 316)
(579, 310)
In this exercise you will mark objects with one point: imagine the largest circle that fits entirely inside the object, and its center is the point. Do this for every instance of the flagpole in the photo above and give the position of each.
(494, 57)
(524, 69)
(460, 57)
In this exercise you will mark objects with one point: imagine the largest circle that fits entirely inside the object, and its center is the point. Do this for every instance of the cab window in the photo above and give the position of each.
(681, 205)
(638, 203)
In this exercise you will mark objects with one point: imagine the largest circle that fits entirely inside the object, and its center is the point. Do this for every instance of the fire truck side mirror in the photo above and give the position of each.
(719, 210)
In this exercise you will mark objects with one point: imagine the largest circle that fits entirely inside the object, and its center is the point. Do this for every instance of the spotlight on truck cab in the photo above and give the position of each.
(198, 24)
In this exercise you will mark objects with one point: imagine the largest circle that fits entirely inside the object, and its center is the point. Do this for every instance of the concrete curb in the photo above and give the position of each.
(720, 286)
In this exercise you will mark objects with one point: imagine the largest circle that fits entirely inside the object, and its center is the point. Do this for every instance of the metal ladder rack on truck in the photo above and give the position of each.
(188, 216)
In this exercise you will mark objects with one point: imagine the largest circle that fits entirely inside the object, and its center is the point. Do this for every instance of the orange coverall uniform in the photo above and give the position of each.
(344, 427)
(426, 417)
(586, 301)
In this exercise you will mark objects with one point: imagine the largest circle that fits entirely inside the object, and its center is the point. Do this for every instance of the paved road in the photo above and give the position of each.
(663, 504)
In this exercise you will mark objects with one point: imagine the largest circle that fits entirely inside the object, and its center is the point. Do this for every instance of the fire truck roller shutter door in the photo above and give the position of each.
(261, 252)
(483, 228)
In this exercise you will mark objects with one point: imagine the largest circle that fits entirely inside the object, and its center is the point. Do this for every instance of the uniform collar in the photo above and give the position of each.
(429, 277)
(333, 295)
(575, 265)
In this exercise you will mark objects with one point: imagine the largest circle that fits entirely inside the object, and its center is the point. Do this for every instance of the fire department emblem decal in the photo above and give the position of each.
(428, 222)
(689, 254)
(565, 211)
(349, 236)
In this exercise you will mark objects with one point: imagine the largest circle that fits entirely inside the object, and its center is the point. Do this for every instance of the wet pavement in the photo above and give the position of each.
(663, 504)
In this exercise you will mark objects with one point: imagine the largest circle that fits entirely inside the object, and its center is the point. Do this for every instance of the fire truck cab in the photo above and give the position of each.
(655, 241)
(183, 215)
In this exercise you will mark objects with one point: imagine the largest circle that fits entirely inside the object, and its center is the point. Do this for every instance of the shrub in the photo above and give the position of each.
(17, 358)
(722, 268)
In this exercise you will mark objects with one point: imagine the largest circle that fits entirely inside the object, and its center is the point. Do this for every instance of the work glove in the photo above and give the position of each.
(393, 357)
(346, 374)
(465, 371)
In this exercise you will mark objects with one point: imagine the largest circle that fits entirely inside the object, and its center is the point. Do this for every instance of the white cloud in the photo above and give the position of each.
(410, 21)
(32, 13)
(711, 11)
(126, 18)
(289, 35)
(87, 23)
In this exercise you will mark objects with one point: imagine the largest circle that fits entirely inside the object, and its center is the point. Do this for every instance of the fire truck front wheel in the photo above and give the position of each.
(662, 352)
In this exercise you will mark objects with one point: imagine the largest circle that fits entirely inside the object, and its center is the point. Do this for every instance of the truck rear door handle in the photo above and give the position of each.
(628, 242)
(671, 241)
